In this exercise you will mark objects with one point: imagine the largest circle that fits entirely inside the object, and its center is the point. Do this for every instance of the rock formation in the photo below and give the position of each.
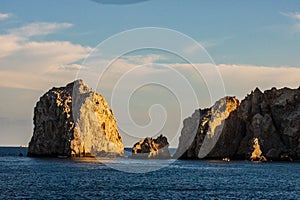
(273, 117)
(74, 121)
(256, 154)
(201, 132)
(152, 148)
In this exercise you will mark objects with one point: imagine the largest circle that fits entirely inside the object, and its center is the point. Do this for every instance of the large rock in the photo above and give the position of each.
(74, 121)
(201, 131)
(152, 148)
(273, 117)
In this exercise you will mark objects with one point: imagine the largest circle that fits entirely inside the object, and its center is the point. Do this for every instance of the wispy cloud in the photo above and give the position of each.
(296, 17)
(40, 28)
(143, 59)
(209, 43)
(198, 46)
(4, 16)
(73, 67)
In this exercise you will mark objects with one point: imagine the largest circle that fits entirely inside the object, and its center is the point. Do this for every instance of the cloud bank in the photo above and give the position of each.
(30, 64)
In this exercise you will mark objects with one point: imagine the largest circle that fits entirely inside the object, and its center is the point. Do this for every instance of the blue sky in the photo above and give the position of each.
(253, 43)
(240, 32)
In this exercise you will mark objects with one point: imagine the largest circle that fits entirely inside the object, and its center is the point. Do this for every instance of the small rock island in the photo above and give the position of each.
(152, 148)
(74, 121)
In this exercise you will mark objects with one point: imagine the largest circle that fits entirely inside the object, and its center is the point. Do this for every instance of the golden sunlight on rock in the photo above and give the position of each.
(74, 121)
(257, 153)
(152, 148)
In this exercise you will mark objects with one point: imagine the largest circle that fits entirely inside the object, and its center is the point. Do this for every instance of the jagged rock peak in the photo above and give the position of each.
(272, 116)
(74, 121)
(152, 148)
(201, 131)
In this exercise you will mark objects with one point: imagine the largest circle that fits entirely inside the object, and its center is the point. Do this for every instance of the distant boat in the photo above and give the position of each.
(226, 159)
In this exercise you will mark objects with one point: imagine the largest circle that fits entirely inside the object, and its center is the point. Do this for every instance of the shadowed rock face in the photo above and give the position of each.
(273, 117)
(152, 148)
(74, 120)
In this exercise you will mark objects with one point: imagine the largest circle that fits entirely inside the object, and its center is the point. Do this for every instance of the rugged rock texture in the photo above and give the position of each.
(152, 148)
(201, 132)
(74, 121)
(273, 117)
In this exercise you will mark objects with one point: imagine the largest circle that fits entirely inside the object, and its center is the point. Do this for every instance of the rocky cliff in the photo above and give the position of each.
(271, 117)
(152, 148)
(74, 121)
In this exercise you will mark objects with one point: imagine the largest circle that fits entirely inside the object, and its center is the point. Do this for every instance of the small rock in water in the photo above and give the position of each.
(152, 148)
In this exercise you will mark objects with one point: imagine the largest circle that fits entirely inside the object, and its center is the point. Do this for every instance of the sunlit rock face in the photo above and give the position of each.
(200, 132)
(152, 148)
(74, 121)
(256, 154)
(273, 117)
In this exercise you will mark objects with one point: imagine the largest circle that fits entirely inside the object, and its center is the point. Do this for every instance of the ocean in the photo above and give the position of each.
(22, 177)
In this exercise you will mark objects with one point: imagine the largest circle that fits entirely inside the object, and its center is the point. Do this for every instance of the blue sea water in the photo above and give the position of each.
(36, 178)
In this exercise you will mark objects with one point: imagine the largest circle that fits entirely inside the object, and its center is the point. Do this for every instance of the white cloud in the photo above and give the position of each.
(198, 46)
(241, 79)
(19, 38)
(29, 64)
(206, 44)
(142, 59)
(72, 67)
(296, 17)
(39, 28)
(4, 16)
(9, 44)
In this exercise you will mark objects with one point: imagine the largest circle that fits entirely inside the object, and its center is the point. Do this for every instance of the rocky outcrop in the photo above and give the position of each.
(273, 117)
(152, 148)
(201, 131)
(74, 121)
(256, 154)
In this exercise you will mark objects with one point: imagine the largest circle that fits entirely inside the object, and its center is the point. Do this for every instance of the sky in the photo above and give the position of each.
(246, 44)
